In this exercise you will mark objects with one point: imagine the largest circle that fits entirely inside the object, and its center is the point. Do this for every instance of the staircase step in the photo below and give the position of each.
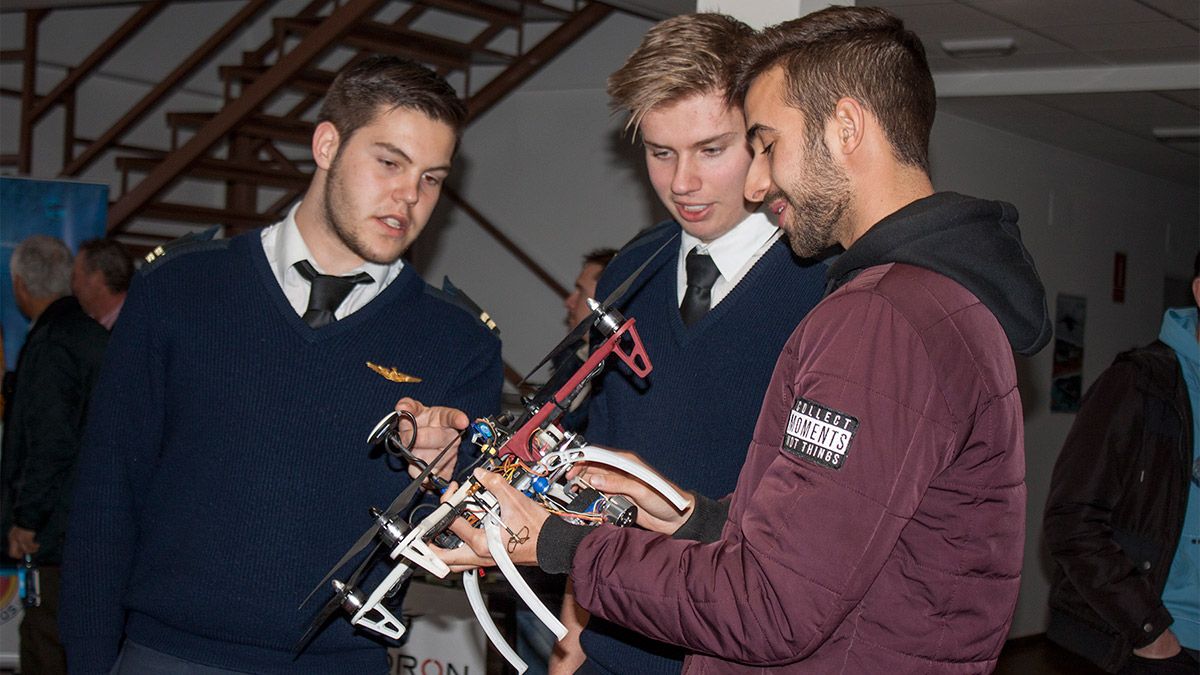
(266, 127)
(382, 38)
(188, 213)
(220, 169)
(309, 81)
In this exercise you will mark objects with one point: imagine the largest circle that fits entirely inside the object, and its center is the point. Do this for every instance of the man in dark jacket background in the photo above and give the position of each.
(100, 279)
(1123, 516)
(57, 367)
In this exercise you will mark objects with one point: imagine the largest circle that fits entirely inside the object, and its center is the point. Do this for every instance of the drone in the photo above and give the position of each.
(533, 453)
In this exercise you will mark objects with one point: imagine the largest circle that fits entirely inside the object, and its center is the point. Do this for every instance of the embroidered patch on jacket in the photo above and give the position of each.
(392, 374)
(819, 434)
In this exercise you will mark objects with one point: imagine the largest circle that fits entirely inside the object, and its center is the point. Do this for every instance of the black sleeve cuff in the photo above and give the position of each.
(557, 543)
(707, 519)
(1153, 627)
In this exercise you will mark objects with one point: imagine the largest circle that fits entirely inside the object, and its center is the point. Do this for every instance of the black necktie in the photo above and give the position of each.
(327, 292)
(702, 273)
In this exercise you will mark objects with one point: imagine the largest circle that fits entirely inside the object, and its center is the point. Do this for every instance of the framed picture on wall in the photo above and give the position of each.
(1066, 380)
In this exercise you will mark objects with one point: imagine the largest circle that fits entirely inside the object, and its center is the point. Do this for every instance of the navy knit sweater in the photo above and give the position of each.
(225, 468)
(692, 418)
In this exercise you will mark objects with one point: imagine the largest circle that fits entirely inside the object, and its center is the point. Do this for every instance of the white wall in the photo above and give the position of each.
(551, 168)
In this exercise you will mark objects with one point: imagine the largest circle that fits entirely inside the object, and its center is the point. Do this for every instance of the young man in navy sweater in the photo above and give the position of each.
(714, 310)
(222, 470)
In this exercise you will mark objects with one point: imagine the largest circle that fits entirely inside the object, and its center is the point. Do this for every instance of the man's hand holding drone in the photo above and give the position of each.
(437, 426)
(523, 522)
(654, 511)
(524, 519)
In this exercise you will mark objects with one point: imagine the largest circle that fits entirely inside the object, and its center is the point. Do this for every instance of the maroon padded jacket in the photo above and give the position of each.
(888, 538)
(878, 523)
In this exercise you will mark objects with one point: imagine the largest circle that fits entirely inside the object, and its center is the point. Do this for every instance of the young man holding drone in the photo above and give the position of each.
(223, 457)
(878, 522)
(698, 305)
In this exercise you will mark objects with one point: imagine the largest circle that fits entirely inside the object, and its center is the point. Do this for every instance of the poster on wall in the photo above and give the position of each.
(69, 210)
(10, 618)
(444, 637)
(1066, 380)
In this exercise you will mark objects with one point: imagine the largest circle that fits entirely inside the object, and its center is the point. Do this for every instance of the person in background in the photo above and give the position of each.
(594, 263)
(224, 469)
(699, 307)
(57, 367)
(100, 279)
(1122, 521)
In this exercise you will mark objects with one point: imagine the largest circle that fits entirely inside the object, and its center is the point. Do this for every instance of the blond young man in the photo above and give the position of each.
(674, 90)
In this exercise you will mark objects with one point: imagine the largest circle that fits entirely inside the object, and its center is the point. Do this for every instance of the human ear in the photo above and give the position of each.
(849, 123)
(325, 143)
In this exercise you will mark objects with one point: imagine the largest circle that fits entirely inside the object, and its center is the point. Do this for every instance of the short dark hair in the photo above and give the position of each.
(864, 53)
(359, 92)
(600, 256)
(110, 258)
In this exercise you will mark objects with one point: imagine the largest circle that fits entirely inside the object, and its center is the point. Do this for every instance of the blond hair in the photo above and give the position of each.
(687, 55)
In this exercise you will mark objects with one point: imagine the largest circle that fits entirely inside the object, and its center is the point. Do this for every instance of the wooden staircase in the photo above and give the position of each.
(255, 148)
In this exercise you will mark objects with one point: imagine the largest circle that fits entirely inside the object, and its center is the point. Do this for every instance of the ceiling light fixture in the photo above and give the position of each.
(979, 47)
(1176, 134)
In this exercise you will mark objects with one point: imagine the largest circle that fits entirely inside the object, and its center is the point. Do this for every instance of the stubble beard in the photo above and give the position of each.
(335, 205)
(818, 202)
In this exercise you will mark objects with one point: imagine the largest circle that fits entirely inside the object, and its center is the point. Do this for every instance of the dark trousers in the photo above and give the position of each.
(41, 651)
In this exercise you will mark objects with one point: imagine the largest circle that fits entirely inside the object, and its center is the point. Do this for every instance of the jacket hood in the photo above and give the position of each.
(976, 243)
(1179, 332)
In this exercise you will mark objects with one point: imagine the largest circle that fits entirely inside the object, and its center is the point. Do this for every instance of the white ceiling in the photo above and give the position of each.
(1092, 76)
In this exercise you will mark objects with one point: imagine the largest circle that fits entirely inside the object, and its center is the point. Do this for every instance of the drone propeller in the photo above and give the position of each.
(346, 596)
(585, 325)
(396, 507)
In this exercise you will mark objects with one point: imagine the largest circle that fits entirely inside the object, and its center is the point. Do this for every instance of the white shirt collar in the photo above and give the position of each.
(731, 250)
(292, 248)
(284, 246)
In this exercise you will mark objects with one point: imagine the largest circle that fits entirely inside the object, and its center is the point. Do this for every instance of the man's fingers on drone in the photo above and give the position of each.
(433, 416)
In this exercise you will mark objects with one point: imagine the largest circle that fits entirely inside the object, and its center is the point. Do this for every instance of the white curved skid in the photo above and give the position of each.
(500, 555)
(413, 546)
(591, 453)
(378, 594)
(420, 553)
(386, 624)
(471, 585)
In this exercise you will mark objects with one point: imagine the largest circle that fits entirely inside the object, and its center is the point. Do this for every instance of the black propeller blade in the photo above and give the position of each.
(584, 326)
(396, 507)
(342, 592)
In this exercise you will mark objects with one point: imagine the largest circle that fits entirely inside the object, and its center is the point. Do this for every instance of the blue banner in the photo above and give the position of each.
(72, 211)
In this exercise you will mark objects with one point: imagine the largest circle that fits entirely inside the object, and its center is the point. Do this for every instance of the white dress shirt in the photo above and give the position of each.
(285, 246)
(734, 253)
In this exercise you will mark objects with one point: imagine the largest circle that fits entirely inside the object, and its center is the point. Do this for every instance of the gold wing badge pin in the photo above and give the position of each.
(392, 374)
